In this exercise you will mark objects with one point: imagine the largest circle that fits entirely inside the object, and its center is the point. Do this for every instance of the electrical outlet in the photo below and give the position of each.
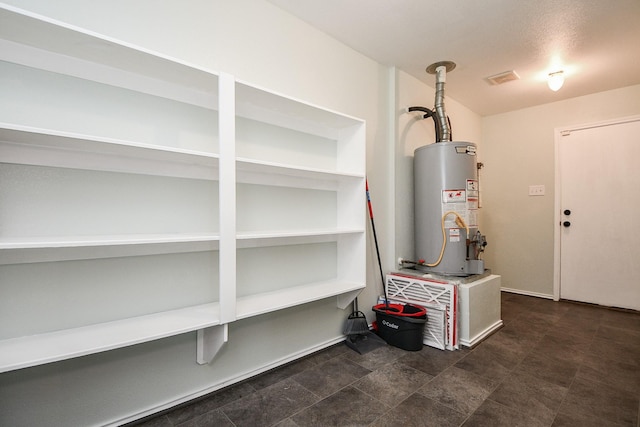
(536, 190)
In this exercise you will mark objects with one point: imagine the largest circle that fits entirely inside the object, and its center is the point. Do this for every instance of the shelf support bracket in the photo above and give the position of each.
(347, 298)
(210, 342)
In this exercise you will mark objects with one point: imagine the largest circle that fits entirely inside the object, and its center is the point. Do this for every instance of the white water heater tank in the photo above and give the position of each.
(446, 198)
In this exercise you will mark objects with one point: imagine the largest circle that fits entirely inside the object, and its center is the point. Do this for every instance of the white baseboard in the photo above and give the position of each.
(527, 293)
(226, 382)
(482, 335)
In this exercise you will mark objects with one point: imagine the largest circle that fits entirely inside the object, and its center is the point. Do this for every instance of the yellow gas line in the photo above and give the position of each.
(461, 224)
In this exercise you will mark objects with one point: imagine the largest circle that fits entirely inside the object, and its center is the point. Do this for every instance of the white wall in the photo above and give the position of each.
(518, 151)
(260, 44)
(412, 132)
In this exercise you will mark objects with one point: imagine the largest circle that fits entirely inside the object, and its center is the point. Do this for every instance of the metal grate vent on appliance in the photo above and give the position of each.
(498, 79)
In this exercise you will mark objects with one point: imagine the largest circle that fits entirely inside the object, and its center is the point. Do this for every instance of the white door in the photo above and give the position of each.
(600, 214)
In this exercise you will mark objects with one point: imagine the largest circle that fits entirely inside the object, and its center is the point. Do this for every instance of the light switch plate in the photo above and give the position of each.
(536, 190)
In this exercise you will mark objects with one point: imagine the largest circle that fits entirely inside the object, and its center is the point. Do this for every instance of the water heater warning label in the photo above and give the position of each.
(465, 203)
(454, 196)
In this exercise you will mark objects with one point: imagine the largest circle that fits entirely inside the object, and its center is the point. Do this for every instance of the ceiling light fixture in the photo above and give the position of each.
(555, 80)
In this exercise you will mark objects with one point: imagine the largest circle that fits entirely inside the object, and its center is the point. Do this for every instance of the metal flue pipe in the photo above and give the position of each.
(441, 116)
(442, 122)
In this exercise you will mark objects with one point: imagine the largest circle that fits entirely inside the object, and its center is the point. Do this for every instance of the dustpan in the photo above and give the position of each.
(364, 343)
(356, 322)
(359, 337)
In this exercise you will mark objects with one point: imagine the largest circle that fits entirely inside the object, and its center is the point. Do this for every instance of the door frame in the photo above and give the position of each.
(557, 206)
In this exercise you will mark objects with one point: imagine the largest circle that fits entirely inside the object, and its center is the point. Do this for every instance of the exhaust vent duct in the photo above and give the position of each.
(440, 70)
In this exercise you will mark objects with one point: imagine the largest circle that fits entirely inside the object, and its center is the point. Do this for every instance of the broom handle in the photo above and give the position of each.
(375, 238)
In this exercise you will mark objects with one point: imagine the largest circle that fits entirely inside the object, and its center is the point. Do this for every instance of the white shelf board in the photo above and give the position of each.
(38, 41)
(252, 171)
(43, 147)
(262, 105)
(20, 250)
(267, 302)
(33, 242)
(251, 239)
(24, 352)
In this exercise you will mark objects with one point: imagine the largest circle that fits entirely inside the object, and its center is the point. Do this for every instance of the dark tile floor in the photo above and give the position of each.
(552, 364)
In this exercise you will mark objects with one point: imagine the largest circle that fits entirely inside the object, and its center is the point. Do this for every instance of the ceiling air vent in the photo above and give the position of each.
(501, 78)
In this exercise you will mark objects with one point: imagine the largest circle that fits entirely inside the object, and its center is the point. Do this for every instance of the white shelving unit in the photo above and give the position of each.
(143, 197)
(300, 186)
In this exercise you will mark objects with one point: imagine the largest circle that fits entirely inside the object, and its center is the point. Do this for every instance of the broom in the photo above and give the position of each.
(359, 337)
(375, 239)
(357, 321)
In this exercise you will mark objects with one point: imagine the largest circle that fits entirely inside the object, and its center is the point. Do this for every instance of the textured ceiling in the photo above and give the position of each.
(595, 42)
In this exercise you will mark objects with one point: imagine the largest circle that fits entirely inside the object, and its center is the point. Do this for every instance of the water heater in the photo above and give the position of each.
(446, 198)
(446, 195)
